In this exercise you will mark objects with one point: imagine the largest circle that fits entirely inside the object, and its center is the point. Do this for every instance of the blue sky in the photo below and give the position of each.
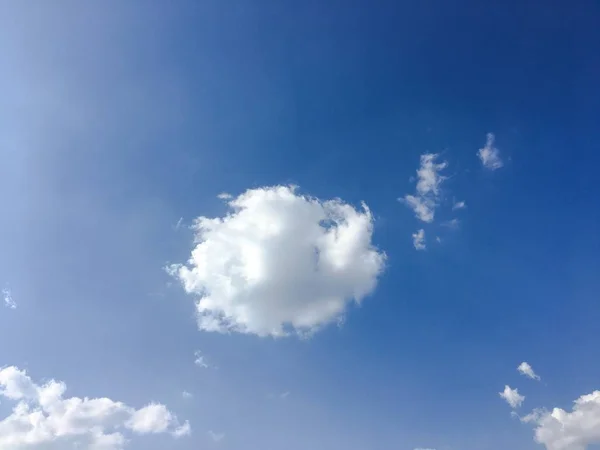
(120, 119)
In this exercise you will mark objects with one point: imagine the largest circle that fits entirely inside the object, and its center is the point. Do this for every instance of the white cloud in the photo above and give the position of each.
(459, 205)
(178, 224)
(280, 263)
(154, 418)
(281, 396)
(562, 430)
(533, 416)
(224, 196)
(8, 298)
(200, 360)
(512, 396)
(183, 430)
(419, 239)
(490, 155)
(187, 395)
(424, 208)
(428, 189)
(216, 437)
(453, 224)
(43, 419)
(525, 369)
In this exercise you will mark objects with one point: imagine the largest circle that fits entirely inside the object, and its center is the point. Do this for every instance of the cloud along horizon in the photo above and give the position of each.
(280, 263)
(559, 429)
(43, 418)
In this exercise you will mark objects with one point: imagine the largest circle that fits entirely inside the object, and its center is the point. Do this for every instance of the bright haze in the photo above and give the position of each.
(299, 225)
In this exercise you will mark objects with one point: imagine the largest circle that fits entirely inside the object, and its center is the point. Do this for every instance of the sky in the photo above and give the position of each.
(274, 224)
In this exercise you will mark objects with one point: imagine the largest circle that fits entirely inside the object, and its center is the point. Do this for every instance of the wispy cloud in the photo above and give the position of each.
(428, 188)
(224, 196)
(9, 302)
(512, 396)
(200, 360)
(216, 437)
(525, 369)
(459, 205)
(280, 396)
(452, 223)
(419, 239)
(490, 155)
(187, 395)
(178, 224)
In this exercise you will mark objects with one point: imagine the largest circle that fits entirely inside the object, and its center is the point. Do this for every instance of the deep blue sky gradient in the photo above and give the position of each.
(118, 119)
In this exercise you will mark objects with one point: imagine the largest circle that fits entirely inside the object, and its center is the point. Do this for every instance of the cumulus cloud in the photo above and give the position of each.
(43, 419)
(429, 180)
(8, 298)
(562, 430)
(419, 239)
(280, 263)
(154, 418)
(512, 396)
(490, 155)
(525, 369)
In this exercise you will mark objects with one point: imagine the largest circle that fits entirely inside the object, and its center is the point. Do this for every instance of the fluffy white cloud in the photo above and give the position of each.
(562, 430)
(43, 419)
(419, 239)
(525, 369)
(154, 418)
(280, 263)
(512, 396)
(429, 180)
(8, 299)
(490, 155)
